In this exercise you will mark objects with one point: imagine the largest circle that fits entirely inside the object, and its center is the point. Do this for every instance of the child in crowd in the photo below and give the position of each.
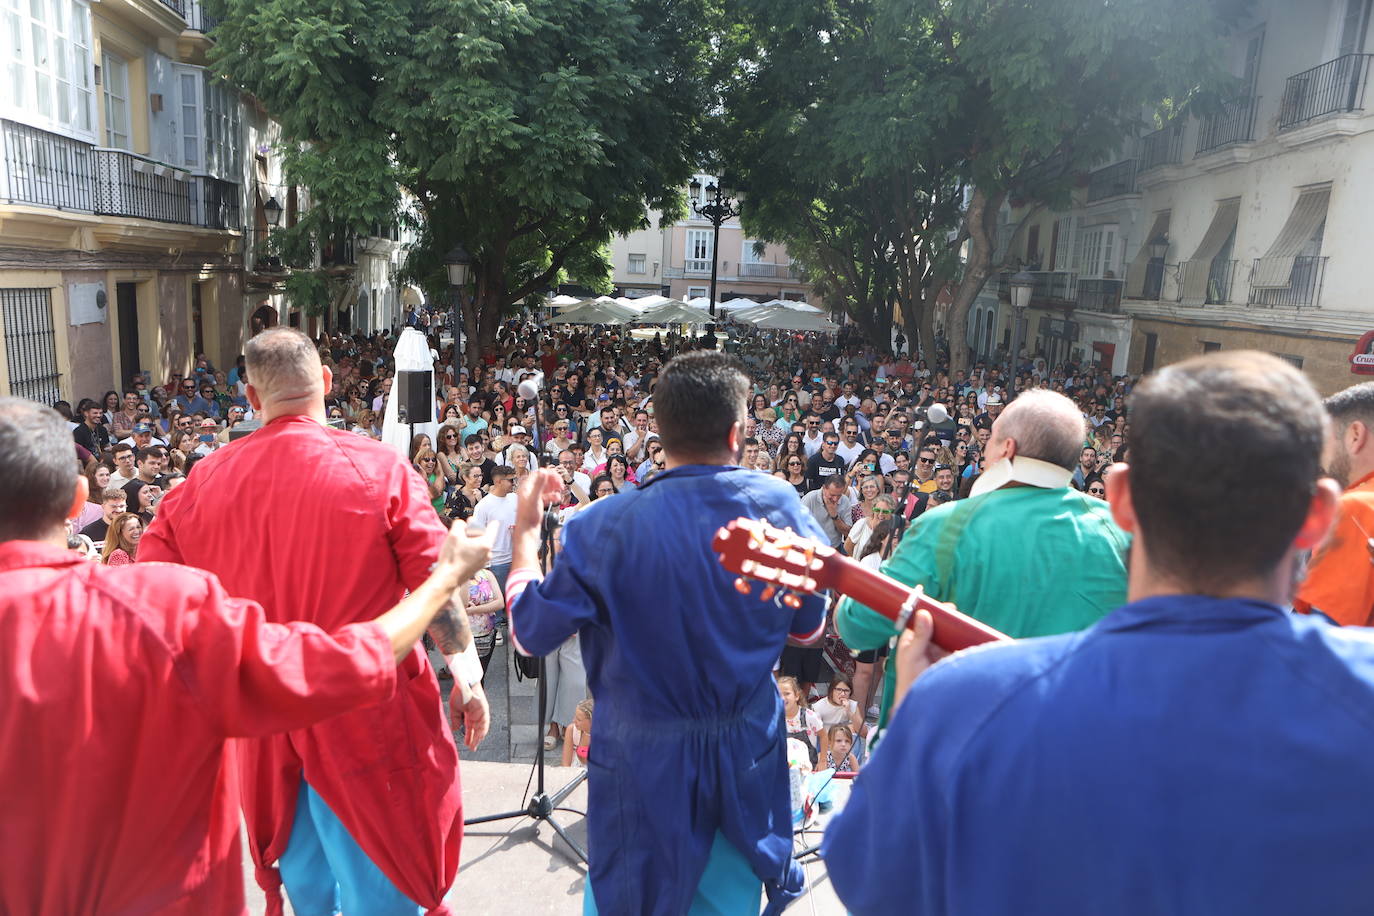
(802, 723)
(577, 737)
(841, 757)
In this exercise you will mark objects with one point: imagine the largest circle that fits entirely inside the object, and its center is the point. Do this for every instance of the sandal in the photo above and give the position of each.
(550, 742)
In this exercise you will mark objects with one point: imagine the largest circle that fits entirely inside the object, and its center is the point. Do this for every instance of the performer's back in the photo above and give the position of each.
(688, 720)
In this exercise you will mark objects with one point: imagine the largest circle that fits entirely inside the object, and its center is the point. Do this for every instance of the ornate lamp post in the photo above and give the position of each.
(459, 263)
(1022, 285)
(718, 207)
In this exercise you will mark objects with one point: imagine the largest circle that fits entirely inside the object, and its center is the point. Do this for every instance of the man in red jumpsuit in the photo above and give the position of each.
(361, 812)
(119, 688)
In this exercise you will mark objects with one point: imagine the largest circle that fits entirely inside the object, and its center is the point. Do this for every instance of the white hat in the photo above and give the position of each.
(518, 431)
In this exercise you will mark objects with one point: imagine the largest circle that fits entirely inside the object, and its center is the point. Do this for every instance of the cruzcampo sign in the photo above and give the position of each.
(1362, 360)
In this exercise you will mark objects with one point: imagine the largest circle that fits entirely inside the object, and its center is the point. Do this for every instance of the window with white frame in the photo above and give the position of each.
(115, 75)
(47, 44)
(1097, 245)
(223, 130)
(636, 264)
(699, 249)
(190, 124)
(696, 292)
(751, 252)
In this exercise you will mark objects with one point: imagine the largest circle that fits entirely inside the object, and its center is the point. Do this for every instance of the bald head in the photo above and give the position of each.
(1044, 425)
(284, 371)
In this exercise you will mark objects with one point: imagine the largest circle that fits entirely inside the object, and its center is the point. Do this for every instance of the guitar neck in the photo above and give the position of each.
(953, 630)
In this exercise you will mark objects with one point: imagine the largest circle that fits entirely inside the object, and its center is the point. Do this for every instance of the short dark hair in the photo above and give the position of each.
(502, 471)
(1354, 403)
(37, 470)
(698, 398)
(151, 451)
(121, 448)
(473, 437)
(1249, 429)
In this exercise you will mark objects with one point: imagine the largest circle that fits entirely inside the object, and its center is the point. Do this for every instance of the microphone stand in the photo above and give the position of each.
(542, 805)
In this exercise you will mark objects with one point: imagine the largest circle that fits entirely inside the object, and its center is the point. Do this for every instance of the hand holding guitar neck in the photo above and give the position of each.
(786, 563)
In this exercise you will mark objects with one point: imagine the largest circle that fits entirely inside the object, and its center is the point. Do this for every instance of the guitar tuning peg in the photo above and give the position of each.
(768, 592)
(742, 585)
(791, 600)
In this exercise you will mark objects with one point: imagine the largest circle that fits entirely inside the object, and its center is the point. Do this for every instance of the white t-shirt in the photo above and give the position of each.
(500, 509)
(830, 714)
(849, 452)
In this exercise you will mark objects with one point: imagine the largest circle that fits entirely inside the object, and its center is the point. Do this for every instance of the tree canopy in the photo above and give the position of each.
(528, 132)
(877, 137)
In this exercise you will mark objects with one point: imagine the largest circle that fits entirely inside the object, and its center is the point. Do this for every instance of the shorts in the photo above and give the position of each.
(803, 663)
(871, 656)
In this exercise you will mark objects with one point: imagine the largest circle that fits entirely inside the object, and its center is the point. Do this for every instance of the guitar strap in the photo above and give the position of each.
(948, 543)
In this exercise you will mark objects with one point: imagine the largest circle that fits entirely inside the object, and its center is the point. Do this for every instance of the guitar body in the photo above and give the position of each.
(784, 562)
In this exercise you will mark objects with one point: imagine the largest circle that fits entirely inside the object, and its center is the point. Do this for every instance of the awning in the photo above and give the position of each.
(1200, 265)
(1275, 269)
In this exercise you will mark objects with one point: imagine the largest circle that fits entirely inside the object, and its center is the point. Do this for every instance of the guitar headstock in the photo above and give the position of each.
(780, 559)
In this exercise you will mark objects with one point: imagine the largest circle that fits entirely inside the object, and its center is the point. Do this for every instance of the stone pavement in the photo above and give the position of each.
(516, 865)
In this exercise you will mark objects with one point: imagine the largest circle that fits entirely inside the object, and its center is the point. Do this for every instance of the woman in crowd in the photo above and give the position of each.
(463, 500)
(142, 499)
(793, 470)
(869, 488)
(867, 665)
(98, 477)
(482, 599)
(757, 405)
(768, 432)
(791, 447)
(121, 542)
(880, 509)
(427, 463)
(619, 470)
(111, 405)
(791, 411)
(603, 486)
(450, 453)
(418, 443)
(183, 444)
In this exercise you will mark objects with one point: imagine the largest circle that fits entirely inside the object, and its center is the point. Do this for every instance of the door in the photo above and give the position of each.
(126, 300)
(1151, 345)
(197, 322)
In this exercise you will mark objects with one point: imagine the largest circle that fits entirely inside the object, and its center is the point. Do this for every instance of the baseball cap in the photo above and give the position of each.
(518, 431)
(207, 423)
(142, 428)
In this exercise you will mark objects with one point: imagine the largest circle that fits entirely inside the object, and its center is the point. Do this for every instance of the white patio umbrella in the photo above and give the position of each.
(590, 312)
(784, 319)
(674, 312)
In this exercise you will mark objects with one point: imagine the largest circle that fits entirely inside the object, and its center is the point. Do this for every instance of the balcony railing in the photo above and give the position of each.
(698, 266)
(176, 6)
(130, 185)
(1287, 282)
(1208, 281)
(1100, 294)
(45, 169)
(1336, 86)
(757, 269)
(217, 203)
(1049, 284)
(1113, 181)
(1163, 147)
(1233, 124)
(198, 20)
(49, 170)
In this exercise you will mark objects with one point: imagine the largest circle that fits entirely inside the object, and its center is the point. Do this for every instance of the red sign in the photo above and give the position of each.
(1362, 360)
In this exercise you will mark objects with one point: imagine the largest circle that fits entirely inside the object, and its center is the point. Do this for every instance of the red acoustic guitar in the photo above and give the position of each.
(788, 564)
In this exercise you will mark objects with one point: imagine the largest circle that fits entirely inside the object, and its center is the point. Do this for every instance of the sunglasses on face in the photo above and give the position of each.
(882, 511)
(925, 460)
(1097, 491)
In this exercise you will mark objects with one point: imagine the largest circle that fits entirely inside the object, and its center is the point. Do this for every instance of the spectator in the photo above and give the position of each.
(91, 434)
(831, 507)
(826, 463)
(799, 722)
(143, 498)
(499, 506)
(189, 401)
(880, 509)
(112, 504)
(839, 753)
(577, 738)
(121, 543)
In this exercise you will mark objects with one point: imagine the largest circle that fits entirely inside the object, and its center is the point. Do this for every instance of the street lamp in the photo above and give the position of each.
(459, 263)
(719, 206)
(272, 210)
(1022, 285)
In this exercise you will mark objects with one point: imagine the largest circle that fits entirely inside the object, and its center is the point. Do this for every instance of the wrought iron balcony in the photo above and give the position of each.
(217, 203)
(45, 169)
(758, 269)
(1233, 124)
(176, 6)
(1287, 282)
(1057, 285)
(198, 20)
(1207, 281)
(1162, 147)
(1100, 294)
(127, 184)
(1335, 86)
(1112, 181)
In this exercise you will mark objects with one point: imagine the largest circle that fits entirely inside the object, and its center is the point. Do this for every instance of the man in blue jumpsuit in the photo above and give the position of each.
(689, 806)
(1201, 749)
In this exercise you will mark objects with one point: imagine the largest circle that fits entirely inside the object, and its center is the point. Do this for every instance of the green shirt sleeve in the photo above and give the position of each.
(912, 563)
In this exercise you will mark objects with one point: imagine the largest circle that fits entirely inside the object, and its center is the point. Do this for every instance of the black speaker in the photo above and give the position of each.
(244, 429)
(414, 392)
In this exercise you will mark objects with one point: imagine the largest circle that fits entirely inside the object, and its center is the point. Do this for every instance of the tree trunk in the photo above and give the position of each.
(876, 324)
(981, 217)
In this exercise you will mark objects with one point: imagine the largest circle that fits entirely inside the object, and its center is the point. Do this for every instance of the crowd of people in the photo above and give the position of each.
(988, 488)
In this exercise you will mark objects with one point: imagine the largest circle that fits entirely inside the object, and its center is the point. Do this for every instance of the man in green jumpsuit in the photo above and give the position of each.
(1026, 553)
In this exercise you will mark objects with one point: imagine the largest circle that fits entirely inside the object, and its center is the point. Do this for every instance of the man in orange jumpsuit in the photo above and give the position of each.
(1340, 579)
